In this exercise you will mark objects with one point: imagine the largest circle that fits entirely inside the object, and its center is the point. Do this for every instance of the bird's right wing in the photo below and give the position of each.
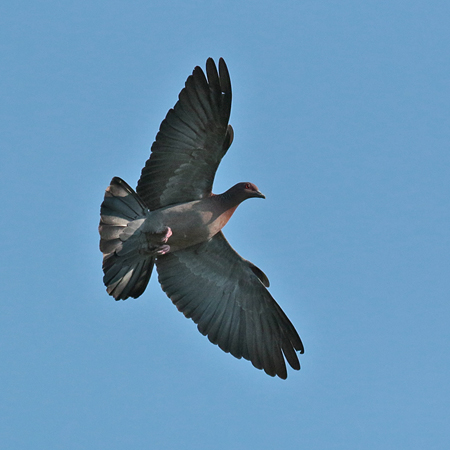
(224, 294)
(191, 141)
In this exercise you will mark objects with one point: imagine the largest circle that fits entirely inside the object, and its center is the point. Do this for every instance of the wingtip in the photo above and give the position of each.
(223, 67)
(210, 60)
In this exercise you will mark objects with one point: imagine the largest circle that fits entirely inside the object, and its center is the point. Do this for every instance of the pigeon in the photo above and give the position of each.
(174, 220)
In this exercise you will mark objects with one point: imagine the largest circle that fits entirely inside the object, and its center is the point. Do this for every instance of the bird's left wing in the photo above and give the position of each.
(191, 141)
(225, 295)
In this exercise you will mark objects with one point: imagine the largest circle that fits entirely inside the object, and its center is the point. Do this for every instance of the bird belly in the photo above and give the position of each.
(191, 223)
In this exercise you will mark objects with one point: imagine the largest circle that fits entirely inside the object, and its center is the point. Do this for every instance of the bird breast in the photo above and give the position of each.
(191, 223)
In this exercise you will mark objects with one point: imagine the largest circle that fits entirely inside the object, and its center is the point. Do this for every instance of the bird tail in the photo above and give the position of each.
(126, 270)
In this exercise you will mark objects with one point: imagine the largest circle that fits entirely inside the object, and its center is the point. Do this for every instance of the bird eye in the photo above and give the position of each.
(247, 186)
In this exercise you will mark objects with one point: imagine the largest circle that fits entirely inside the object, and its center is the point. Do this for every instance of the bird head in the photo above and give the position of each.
(245, 190)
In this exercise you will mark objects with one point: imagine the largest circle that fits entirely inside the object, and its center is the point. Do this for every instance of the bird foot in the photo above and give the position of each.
(167, 233)
(163, 250)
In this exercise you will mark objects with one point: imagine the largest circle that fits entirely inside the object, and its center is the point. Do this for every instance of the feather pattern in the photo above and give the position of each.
(192, 140)
(218, 289)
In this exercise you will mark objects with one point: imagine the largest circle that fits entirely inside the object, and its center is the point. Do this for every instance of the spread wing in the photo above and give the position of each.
(222, 293)
(191, 141)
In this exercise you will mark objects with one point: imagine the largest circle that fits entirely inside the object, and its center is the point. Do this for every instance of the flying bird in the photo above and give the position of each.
(174, 220)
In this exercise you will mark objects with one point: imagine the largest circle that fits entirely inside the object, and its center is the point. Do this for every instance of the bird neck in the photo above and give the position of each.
(229, 200)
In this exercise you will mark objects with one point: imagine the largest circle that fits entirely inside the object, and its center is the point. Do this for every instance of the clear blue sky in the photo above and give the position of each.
(341, 117)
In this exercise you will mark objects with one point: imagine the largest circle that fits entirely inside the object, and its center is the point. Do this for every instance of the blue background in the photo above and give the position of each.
(341, 117)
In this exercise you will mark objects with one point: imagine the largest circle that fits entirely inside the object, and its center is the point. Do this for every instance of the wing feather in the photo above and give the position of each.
(223, 295)
(192, 140)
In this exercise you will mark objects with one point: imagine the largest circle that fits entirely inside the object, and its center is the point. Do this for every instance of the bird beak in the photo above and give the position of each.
(259, 194)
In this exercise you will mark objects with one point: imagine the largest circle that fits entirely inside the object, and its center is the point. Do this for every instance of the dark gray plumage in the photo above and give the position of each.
(173, 219)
